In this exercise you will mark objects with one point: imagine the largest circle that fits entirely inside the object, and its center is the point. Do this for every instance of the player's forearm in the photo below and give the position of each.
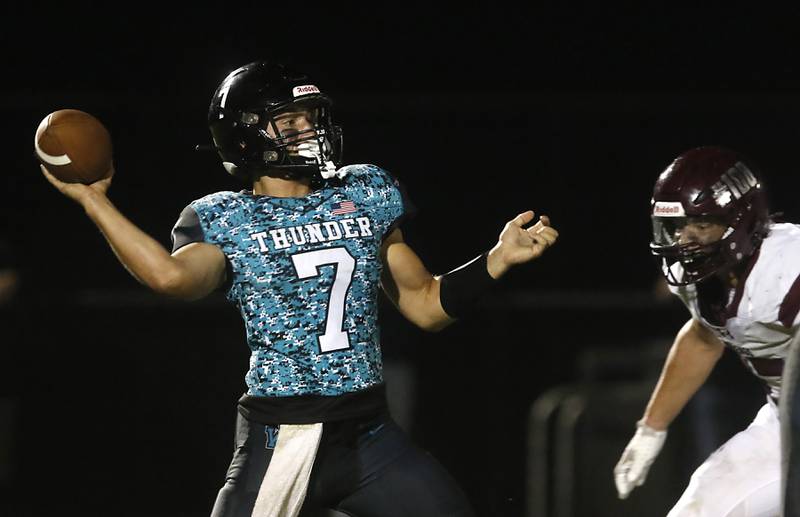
(144, 257)
(435, 316)
(689, 363)
(423, 307)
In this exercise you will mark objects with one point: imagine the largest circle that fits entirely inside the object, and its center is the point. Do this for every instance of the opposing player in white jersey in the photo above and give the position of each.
(738, 273)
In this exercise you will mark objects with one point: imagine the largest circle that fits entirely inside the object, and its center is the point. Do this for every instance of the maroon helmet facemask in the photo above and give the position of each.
(707, 184)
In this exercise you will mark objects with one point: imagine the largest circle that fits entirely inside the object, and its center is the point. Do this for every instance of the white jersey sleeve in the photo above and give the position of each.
(764, 310)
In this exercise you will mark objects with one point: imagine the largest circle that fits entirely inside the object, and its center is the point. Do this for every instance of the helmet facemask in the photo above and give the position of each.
(744, 228)
(292, 154)
(699, 257)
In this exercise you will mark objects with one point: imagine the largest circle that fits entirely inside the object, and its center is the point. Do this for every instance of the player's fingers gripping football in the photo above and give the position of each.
(78, 191)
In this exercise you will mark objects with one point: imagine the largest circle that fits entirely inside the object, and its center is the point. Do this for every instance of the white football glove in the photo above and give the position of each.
(632, 467)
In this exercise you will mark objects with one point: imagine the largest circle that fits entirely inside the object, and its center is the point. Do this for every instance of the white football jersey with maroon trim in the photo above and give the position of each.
(762, 312)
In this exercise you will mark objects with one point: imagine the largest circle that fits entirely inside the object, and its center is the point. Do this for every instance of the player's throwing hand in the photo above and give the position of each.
(78, 192)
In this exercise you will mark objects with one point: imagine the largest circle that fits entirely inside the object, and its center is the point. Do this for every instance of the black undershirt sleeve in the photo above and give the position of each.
(188, 230)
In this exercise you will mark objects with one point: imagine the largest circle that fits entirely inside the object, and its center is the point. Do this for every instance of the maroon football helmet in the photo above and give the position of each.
(707, 184)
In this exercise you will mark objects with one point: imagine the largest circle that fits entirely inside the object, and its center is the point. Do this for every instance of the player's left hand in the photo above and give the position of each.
(518, 244)
(640, 453)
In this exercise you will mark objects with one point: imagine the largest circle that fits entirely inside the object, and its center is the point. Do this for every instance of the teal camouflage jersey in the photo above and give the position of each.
(304, 274)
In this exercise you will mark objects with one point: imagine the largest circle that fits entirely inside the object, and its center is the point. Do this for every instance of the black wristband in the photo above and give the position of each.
(461, 287)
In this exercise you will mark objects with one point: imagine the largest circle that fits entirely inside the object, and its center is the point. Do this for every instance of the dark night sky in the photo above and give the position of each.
(482, 111)
(569, 111)
(379, 49)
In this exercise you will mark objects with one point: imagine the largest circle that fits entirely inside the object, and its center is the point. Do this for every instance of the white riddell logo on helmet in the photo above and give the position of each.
(306, 89)
(668, 209)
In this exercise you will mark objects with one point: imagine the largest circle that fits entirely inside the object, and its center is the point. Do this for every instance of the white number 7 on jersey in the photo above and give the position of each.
(307, 266)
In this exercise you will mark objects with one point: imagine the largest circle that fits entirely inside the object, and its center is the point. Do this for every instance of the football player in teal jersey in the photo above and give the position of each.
(302, 255)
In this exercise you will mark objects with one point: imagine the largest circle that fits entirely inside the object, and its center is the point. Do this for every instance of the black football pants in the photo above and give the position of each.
(363, 469)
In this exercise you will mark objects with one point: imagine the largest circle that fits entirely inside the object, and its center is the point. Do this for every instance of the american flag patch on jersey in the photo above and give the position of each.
(345, 207)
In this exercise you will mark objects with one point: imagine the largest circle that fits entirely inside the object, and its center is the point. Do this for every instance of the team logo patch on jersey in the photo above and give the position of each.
(345, 207)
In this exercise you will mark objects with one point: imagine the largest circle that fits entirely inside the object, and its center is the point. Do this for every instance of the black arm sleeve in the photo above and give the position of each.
(463, 286)
(188, 230)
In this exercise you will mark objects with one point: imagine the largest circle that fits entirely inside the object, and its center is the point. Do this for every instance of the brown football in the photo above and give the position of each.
(74, 146)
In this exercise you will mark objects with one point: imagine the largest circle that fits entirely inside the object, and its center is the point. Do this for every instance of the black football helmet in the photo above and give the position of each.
(244, 106)
(707, 184)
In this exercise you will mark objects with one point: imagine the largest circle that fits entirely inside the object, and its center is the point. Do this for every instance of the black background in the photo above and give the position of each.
(123, 402)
